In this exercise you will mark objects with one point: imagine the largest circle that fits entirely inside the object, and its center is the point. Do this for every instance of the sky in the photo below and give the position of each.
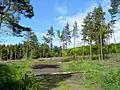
(57, 13)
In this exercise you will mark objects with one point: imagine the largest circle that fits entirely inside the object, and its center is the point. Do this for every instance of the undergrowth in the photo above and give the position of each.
(96, 72)
(12, 76)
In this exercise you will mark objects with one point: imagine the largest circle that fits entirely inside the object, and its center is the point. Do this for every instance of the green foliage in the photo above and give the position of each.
(32, 45)
(114, 11)
(96, 30)
(111, 80)
(49, 37)
(12, 76)
(66, 36)
(19, 51)
(67, 59)
(64, 86)
(75, 33)
(79, 51)
(102, 73)
(6, 78)
(82, 66)
(11, 14)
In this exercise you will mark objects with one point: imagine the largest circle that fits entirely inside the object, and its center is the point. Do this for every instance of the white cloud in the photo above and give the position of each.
(62, 9)
(117, 33)
(62, 20)
(78, 17)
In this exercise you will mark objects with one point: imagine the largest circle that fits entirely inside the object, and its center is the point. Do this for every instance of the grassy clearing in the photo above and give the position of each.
(95, 71)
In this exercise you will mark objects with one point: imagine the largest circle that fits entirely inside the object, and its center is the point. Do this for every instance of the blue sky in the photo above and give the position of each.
(57, 13)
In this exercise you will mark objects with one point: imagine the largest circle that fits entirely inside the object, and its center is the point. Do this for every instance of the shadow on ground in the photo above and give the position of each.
(48, 80)
(51, 81)
(42, 66)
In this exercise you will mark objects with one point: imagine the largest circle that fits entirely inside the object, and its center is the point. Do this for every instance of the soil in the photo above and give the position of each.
(51, 82)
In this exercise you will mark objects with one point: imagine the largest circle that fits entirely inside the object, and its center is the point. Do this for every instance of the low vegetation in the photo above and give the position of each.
(12, 76)
(64, 86)
(103, 73)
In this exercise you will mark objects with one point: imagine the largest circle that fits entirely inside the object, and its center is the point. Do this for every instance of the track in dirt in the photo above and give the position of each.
(51, 82)
(46, 68)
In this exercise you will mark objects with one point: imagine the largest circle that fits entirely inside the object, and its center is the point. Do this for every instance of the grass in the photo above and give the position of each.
(93, 71)
(12, 76)
(64, 86)
(50, 61)
(83, 66)
(22, 67)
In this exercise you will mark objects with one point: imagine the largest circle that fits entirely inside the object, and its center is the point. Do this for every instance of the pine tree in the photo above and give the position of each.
(50, 35)
(32, 43)
(87, 31)
(101, 29)
(60, 36)
(10, 14)
(75, 32)
(115, 10)
(66, 36)
(95, 29)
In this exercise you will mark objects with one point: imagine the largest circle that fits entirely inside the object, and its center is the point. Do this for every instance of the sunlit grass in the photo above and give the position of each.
(21, 67)
(64, 86)
(93, 70)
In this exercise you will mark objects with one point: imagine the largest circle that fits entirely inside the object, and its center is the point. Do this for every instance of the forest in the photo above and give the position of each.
(84, 59)
(20, 51)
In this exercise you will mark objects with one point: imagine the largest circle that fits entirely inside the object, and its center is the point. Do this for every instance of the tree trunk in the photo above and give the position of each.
(101, 44)
(115, 45)
(43, 51)
(7, 54)
(90, 41)
(66, 44)
(26, 52)
(11, 55)
(109, 52)
(83, 51)
(31, 53)
(60, 49)
(0, 56)
(74, 42)
(90, 50)
(15, 53)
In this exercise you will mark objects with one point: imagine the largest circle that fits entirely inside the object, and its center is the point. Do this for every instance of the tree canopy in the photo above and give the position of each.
(11, 12)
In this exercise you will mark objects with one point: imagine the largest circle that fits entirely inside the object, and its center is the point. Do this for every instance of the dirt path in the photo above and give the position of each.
(53, 82)
(46, 68)
(71, 83)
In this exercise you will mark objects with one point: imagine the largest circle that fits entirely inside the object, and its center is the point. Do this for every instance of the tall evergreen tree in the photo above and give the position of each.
(60, 36)
(114, 11)
(87, 30)
(66, 35)
(31, 42)
(75, 33)
(50, 35)
(46, 42)
(96, 29)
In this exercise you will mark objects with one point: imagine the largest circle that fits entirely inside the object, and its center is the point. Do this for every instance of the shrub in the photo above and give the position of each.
(10, 79)
(111, 81)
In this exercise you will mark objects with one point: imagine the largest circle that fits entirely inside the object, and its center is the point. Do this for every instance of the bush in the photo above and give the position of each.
(111, 81)
(7, 81)
(10, 79)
